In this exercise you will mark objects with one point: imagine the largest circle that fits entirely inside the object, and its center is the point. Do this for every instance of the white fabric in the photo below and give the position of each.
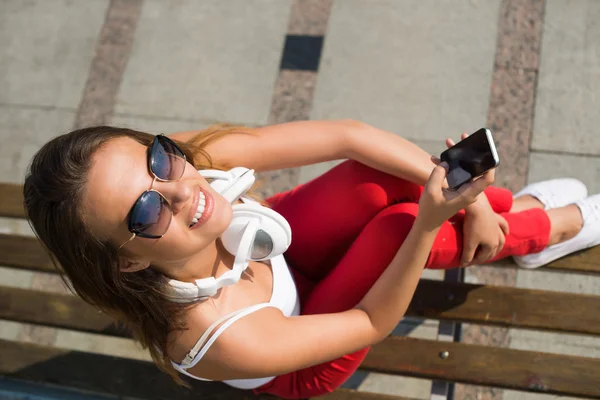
(589, 236)
(555, 193)
(284, 296)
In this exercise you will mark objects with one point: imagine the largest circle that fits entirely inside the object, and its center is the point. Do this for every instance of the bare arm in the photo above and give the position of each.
(291, 344)
(302, 143)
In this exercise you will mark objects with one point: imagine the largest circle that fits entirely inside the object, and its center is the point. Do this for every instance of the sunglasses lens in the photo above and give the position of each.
(151, 215)
(167, 161)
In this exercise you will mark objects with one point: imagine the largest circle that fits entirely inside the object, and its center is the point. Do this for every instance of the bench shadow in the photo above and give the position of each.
(122, 377)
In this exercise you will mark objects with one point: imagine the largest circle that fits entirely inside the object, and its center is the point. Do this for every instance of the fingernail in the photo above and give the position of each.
(444, 164)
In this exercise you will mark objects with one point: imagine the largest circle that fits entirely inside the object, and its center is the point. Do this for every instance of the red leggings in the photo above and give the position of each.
(347, 226)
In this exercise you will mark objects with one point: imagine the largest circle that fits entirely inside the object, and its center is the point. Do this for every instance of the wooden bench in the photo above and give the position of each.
(440, 360)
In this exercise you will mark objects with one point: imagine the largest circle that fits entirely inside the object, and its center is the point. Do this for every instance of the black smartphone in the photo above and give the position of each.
(470, 158)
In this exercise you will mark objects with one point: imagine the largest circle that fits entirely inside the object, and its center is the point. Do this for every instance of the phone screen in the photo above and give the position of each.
(470, 158)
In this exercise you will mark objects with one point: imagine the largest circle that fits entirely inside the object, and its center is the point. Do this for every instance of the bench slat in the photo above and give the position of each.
(56, 310)
(491, 305)
(587, 261)
(487, 366)
(346, 394)
(507, 306)
(11, 201)
(24, 252)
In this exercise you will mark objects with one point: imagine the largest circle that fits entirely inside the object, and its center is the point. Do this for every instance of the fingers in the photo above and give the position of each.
(436, 179)
(468, 254)
(503, 225)
(435, 160)
(450, 142)
(485, 253)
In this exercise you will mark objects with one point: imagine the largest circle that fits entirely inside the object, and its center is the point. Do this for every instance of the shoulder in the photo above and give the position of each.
(196, 321)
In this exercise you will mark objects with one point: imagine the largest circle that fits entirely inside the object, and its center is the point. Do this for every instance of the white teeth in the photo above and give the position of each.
(201, 206)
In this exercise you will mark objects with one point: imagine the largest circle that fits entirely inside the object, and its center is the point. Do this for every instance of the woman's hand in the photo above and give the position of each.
(484, 236)
(483, 230)
(438, 204)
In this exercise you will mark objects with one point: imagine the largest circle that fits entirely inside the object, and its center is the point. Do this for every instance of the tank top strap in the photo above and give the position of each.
(200, 348)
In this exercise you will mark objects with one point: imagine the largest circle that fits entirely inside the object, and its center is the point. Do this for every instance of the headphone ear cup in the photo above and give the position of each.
(230, 184)
(273, 237)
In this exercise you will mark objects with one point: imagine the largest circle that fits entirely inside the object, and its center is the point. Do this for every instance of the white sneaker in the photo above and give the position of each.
(589, 236)
(555, 192)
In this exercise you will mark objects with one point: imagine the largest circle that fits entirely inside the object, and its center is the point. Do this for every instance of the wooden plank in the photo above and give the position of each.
(346, 394)
(488, 366)
(507, 306)
(512, 307)
(24, 252)
(56, 310)
(582, 262)
(105, 374)
(586, 261)
(11, 200)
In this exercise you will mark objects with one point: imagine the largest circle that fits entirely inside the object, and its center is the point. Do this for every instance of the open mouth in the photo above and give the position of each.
(204, 210)
(200, 210)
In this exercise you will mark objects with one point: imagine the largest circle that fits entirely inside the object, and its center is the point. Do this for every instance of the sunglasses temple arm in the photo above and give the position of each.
(129, 240)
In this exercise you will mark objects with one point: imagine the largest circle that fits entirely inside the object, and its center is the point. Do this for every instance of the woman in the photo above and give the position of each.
(362, 234)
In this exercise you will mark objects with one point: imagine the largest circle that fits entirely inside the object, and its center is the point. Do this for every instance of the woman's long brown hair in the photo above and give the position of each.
(53, 193)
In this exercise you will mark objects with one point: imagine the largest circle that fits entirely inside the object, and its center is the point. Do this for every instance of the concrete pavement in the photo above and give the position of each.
(424, 69)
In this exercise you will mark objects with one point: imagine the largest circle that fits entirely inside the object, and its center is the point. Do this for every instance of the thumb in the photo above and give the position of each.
(436, 179)
(503, 224)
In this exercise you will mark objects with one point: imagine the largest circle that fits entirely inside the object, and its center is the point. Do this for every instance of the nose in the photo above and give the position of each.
(177, 193)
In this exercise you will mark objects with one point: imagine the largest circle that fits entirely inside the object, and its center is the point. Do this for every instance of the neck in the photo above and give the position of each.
(211, 261)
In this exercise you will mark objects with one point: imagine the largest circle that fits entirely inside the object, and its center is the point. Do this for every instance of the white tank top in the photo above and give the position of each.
(284, 296)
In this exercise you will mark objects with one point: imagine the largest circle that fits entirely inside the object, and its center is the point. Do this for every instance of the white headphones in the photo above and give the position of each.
(255, 233)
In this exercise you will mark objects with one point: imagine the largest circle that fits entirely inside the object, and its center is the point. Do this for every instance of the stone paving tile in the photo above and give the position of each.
(519, 34)
(512, 99)
(413, 388)
(514, 395)
(568, 344)
(100, 344)
(9, 330)
(309, 17)
(221, 64)
(156, 125)
(111, 56)
(547, 166)
(15, 277)
(47, 282)
(17, 226)
(37, 334)
(46, 47)
(566, 115)
(423, 70)
(293, 96)
(23, 131)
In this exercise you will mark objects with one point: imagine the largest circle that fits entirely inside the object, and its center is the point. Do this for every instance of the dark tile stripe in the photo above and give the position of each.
(510, 117)
(107, 68)
(302, 53)
(294, 89)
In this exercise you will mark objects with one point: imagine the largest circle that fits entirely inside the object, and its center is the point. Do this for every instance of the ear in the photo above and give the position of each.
(129, 265)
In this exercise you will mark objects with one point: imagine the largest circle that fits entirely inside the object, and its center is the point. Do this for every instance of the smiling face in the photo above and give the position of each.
(119, 175)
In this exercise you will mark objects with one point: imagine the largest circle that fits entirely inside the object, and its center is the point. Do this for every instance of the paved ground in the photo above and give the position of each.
(424, 69)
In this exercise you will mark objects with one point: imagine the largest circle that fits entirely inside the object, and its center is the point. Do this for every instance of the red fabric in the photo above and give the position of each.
(347, 226)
